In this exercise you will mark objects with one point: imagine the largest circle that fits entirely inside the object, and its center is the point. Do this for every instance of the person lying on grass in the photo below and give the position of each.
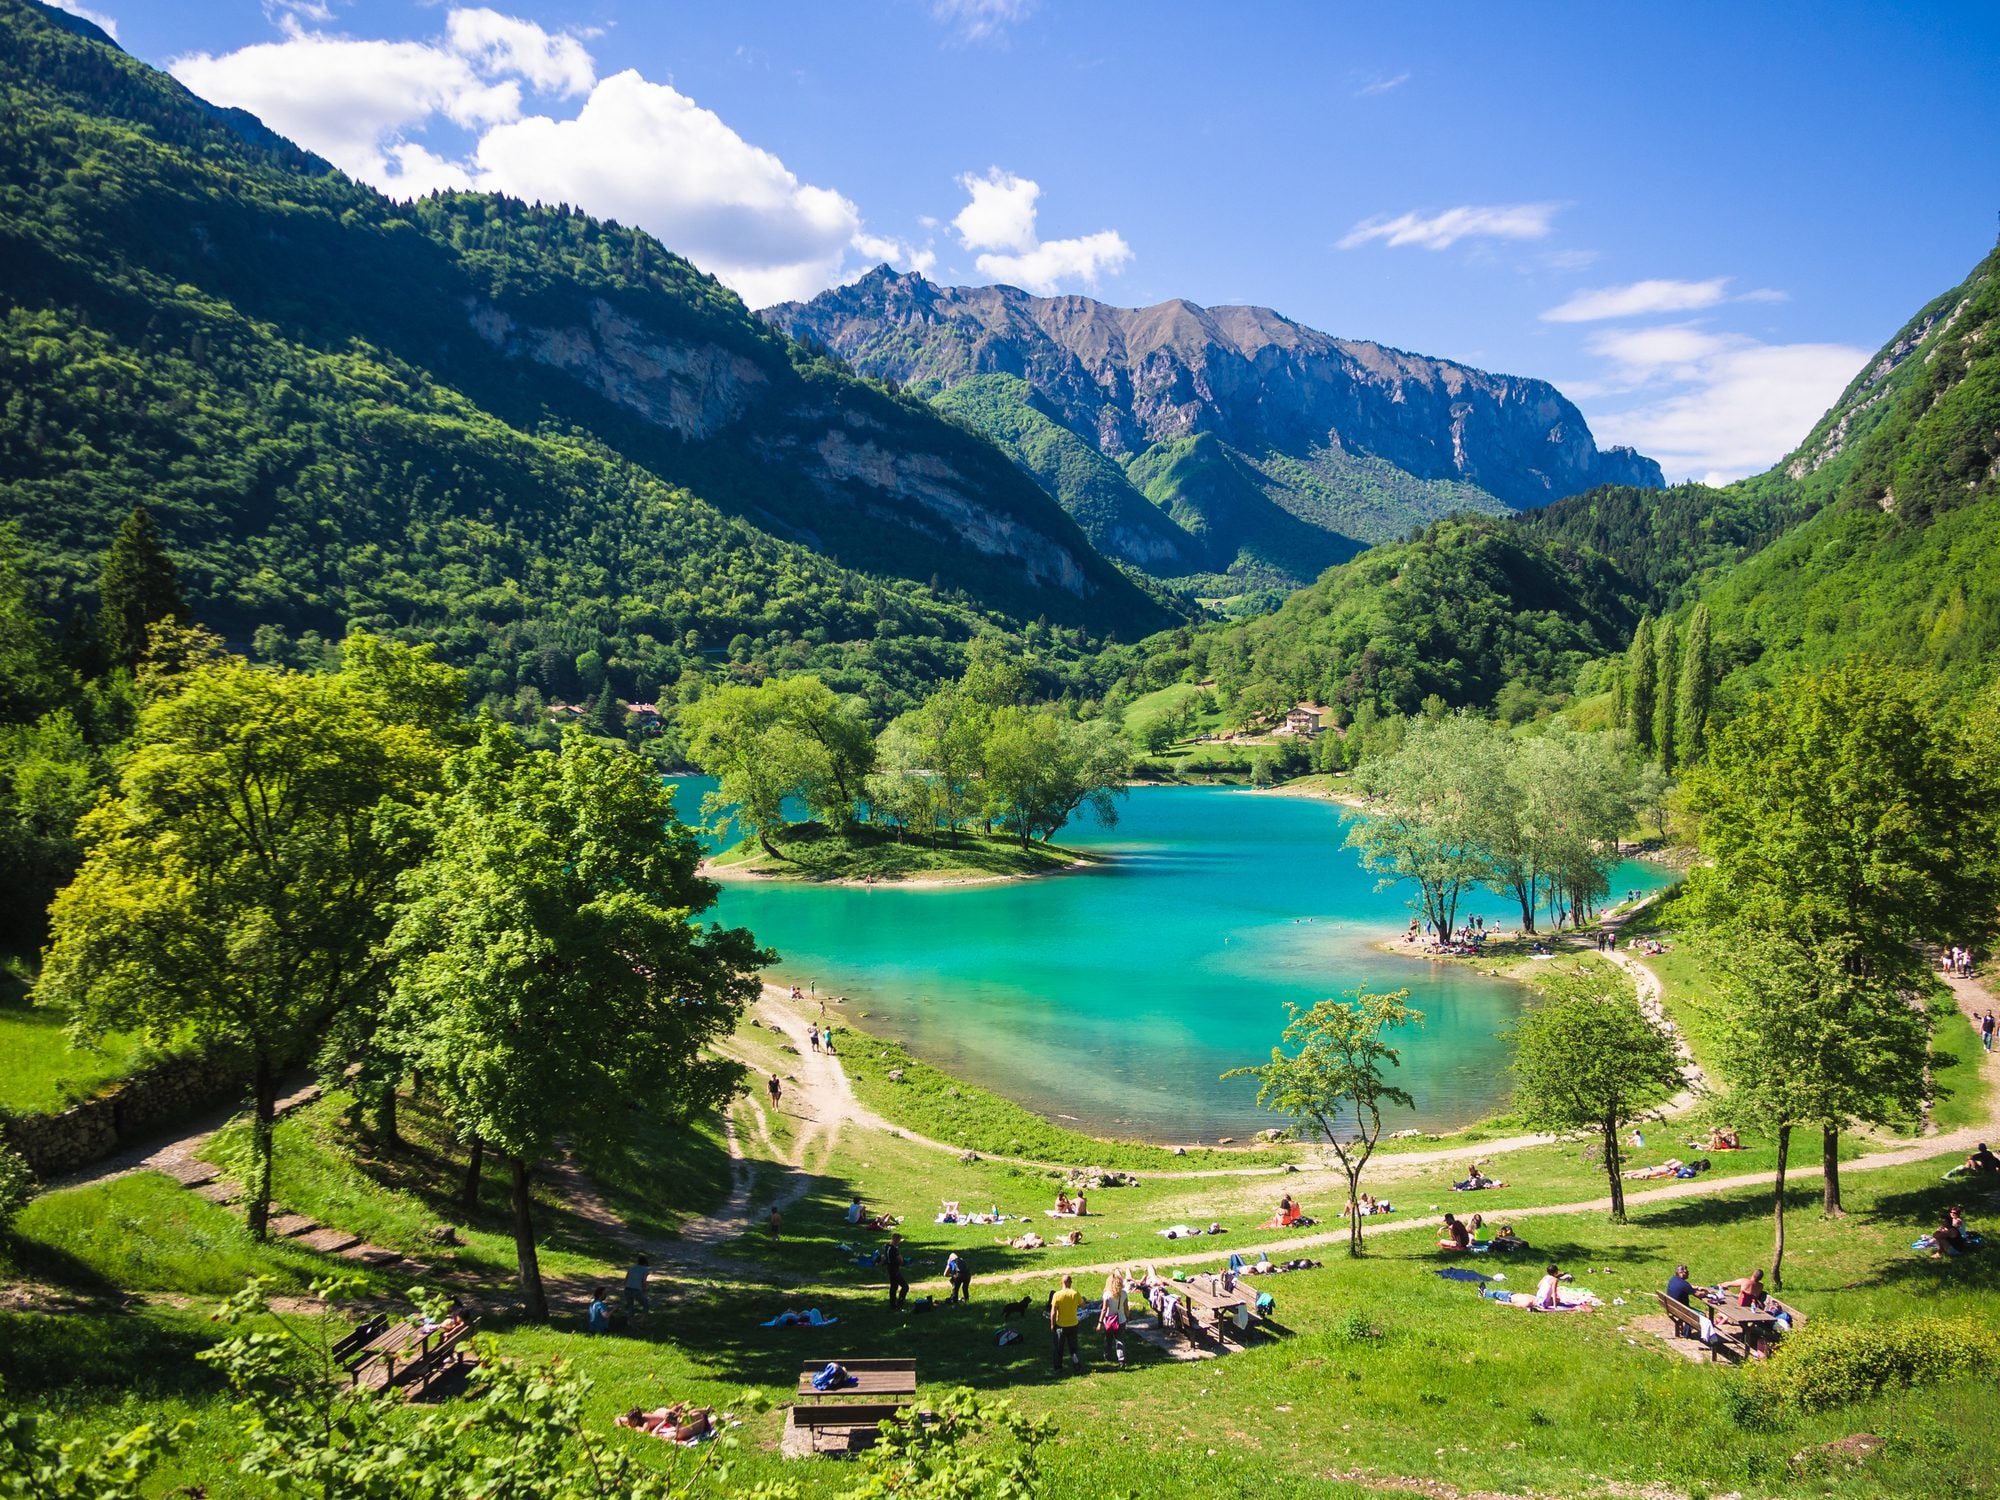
(679, 1423)
(1028, 1241)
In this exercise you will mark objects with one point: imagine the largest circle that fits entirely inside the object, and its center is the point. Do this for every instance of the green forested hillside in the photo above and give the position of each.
(526, 434)
(1470, 609)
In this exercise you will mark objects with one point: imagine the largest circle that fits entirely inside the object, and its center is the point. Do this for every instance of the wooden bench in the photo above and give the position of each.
(361, 1337)
(873, 1377)
(421, 1354)
(1687, 1323)
(842, 1429)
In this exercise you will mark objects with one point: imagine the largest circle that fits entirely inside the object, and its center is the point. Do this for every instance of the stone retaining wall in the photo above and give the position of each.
(128, 1112)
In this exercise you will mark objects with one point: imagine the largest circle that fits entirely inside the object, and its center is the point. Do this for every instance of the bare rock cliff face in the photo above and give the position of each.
(1127, 378)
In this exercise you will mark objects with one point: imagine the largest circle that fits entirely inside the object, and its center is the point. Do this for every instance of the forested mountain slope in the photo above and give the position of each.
(517, 430)
(1903, 558)
(1273, 448)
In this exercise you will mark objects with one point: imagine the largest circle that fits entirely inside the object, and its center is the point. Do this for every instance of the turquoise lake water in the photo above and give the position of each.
(1112, 998)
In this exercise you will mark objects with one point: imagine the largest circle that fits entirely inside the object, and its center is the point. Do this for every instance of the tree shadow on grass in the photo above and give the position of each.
(43, 1354)
(1917, 1212)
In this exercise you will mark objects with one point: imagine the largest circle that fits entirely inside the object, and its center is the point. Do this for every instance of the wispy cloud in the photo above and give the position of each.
(1710, 405)
(1637, 300)
(1381, 86)
(1440, 231)
(981, 20)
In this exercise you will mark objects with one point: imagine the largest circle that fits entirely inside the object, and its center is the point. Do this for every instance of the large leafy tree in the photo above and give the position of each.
(1428, 807)
(1695, 694)
(1551, 823)
(1336, 1079)
(550, 970)
(1042, 768)
(790, 737)
(1844, 816)
(235, 885)
(1588, 1061)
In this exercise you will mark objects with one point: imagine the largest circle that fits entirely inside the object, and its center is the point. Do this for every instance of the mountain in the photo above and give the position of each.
(1274, 449)
(529, 435)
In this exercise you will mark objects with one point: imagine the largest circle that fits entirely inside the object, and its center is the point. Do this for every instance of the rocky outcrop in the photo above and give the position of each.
(1128, 378)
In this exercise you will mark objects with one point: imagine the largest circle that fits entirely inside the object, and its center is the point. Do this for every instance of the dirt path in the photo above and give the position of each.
(175, 1148)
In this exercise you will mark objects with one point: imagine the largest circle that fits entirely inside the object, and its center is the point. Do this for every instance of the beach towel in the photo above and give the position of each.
(1459, 1273)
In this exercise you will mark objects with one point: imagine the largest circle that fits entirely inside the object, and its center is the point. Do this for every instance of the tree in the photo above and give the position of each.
(1042, 768)
(1641, 679)
(33, 678)
(49, 776)
(1336, 1076)
(1844, 818)
(550, 972)
(1589, 1061)
(138, 589)
(1664, 681)
(235, 885)
(1696, 695)
(1426, 812)
(789, 737)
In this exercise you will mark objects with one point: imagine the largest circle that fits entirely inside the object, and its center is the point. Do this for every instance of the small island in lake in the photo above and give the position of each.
(862, 854)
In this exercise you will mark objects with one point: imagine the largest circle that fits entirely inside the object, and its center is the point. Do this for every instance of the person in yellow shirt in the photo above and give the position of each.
(1063, 1309)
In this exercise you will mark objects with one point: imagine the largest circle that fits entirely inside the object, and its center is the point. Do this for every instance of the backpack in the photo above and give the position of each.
(1008, 1336)
(834, 1377)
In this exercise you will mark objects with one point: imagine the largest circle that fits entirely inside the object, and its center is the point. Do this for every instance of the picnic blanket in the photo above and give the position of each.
(1469, 1186)
(812, 1317)
(1185, 1231)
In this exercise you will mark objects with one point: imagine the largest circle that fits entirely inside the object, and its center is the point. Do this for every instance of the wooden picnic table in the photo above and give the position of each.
(875, 1378)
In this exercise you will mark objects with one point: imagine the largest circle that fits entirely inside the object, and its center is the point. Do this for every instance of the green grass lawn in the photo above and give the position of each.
(812, 852)
(44, 1071)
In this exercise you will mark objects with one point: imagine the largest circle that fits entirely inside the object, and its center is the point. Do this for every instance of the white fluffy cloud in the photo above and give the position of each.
(1713, 406)
(636, 151)
(1000, 222)
(351, 99)
(96, 18)
(646, 154)
(1440, 231)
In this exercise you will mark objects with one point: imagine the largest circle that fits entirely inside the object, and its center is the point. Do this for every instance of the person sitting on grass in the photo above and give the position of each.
(1982, 1160)
(1456, 1236)
(598, 1319)
(1949, 1237)
(1080, 1206)
(1063, 1207)
(855, 1211)
(1548, 1291)
(1722, 1140)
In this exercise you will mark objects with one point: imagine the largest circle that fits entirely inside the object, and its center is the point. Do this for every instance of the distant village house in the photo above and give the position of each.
(1306, 720)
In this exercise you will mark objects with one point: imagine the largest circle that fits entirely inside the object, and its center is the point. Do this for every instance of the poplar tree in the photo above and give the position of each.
(1697, 689)
(138, 588)
(1663, 692)
(1641, 676)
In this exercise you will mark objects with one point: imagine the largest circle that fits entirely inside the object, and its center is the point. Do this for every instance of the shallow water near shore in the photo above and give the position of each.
(1113, 997)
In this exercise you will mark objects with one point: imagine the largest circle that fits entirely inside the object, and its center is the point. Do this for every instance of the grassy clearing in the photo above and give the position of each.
(147, 1233)
(44, 1071)
(935, 1104)
(815, 853)
(1958, 1065)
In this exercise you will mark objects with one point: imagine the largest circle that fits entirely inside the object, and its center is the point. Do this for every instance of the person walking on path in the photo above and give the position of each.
(959, 1275)
(1111, 1317)
(776, 1089)
(1063, 1309)
(635, 1284)
(1986, 1028)
(899, 1283)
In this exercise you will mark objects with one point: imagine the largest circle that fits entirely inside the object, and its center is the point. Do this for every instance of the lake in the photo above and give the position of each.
(1114, 997)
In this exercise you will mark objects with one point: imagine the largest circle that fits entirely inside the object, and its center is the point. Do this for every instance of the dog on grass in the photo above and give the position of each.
(1015, 1310)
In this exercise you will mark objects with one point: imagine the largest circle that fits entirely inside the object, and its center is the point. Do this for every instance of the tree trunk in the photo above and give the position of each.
(1354, 1249)
(264, 1116)
(385, 1115)
(1829, 1157)
(468, 1195)
(1778, 1211)
(524, 1246)
(1527, 901)
(764, 839)
(1613, 1163)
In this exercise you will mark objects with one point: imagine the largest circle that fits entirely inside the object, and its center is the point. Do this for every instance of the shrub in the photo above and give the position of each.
(1831, 1364)
(17, 1185)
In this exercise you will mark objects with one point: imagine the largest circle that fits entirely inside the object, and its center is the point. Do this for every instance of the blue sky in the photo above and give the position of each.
(1698, 219)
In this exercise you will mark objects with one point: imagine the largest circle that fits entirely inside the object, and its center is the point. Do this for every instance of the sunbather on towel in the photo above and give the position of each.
(680, 1423)
(1028, 1241)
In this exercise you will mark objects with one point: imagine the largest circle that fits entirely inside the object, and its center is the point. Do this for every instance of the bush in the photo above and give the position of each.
(17, 1186)
(1832, 1364)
